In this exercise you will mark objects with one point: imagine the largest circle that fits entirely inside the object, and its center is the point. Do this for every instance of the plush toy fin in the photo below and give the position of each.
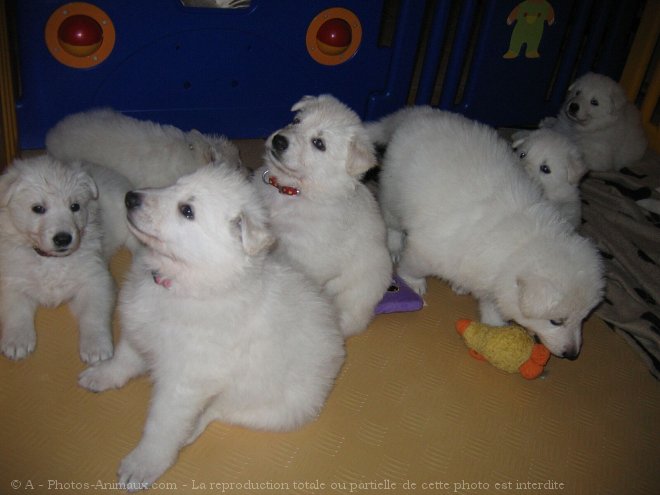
(476, 355)
(533, 367)
(540, 354)
(461, 326)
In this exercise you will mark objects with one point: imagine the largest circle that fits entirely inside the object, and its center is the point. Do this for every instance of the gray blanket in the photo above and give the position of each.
(628, 236)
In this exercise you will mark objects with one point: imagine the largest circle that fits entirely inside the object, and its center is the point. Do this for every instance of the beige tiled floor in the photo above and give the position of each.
(411, 412)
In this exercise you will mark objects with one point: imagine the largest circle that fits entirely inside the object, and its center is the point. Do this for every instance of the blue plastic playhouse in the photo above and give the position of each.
(237, 71)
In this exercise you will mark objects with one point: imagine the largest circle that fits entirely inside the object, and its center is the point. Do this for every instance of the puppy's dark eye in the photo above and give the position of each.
(74, 207)
(558, 323)
(577, 93)
(522, 154)
(594, 102)
(318, 144)
(38, 209)
(187, 211)
(296, 121)
(545, 169)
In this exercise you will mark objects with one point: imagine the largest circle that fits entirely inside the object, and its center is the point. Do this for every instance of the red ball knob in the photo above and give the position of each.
(334, 36)
(80, 35)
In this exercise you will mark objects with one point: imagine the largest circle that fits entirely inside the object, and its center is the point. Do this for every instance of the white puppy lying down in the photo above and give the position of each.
(326, 221)
(554, 162)
(225, 331)
(149, 154)
(606, 127)
(59, 224)
(458, 206)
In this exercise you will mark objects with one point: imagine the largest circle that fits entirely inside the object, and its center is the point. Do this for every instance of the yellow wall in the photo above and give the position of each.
(637, 65)
(8, 133)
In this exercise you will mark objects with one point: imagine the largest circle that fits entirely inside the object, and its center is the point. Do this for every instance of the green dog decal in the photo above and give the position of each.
(529, 17)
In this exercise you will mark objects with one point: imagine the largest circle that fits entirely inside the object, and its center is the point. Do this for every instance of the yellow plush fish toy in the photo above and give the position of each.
(508, 348)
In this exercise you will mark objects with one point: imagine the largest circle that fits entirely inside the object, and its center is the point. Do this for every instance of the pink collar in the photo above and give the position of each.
(272, 181)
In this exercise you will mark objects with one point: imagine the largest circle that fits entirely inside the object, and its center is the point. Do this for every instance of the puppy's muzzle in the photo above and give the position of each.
(62, 240)
(63, 245)
(280, 144)
(571, 354)
(133, 200)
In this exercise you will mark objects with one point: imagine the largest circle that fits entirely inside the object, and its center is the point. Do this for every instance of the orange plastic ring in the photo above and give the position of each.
(313, 29)
(68, 59)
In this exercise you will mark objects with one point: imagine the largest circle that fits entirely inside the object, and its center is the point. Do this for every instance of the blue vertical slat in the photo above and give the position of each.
(458, 54)
(567, 64)
(598, 23)
(433, 53)
(616, 44)
(482, 49)
(402, 62)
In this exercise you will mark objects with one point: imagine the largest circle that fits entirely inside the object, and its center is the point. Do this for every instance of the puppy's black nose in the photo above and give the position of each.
(573, 108)
(280, 143)
(62, 239)
(571, 354)
(133, 200)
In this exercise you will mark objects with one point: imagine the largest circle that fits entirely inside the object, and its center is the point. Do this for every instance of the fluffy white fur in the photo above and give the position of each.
(603, 123)
(458, 206)
(554, 162)
(149, 154)
(333, 229)
(59, 224)
(226, 331)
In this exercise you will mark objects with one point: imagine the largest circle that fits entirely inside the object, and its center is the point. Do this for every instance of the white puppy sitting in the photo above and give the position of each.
(606, 127)
(554, 162)
(225, 331)
(149, 154)
(325, 219)
(59, 224)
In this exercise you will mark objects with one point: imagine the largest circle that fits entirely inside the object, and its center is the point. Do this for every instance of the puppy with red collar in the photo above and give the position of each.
(326, 221)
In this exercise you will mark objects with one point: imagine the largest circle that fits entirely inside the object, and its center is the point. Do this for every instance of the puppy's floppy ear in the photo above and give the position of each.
(196, 139)
(518, 142)
(8, 184)
(572, 86)
(576, 167)
(253, 233)
(618, 99)
(86, 180)
(537, 296)
(361, 155)
(303, 102)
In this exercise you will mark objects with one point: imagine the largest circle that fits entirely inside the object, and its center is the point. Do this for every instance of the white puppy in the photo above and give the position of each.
(226, 332)
(149, 154)
(325, 219)
(554, 162)
(59, 224)
(458, 206)
(605, 125)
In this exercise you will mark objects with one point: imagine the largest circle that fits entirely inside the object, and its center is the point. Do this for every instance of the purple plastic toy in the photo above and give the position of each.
(399, 298)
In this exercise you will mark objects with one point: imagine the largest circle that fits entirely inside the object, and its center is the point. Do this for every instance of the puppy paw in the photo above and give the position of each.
(102, 376)
(95, 348)
(18, 346)
(459, 290)
(416, 284)
(141, 468)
